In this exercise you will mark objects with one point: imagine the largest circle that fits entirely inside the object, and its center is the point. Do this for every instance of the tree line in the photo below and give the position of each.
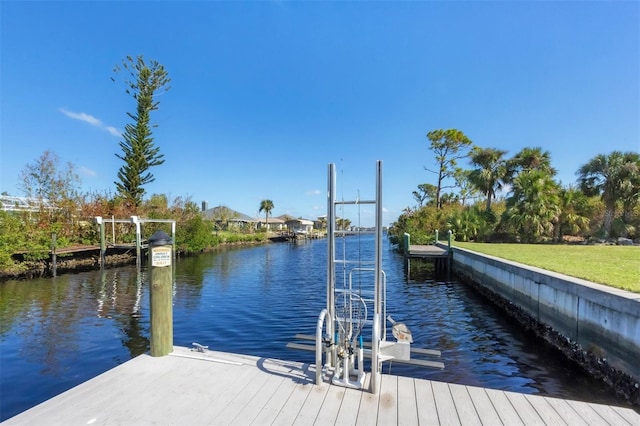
(501, 198)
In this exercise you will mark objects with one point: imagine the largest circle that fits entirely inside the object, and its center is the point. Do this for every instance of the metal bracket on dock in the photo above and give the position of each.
(197, 347)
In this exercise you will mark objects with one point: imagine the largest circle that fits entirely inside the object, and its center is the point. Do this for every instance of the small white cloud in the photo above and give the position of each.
(88, 118)
(85, 171)
(314, 192)
(113, 131)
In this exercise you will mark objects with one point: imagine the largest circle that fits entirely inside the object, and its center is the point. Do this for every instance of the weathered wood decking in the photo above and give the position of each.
(216, 388)
(427, 251)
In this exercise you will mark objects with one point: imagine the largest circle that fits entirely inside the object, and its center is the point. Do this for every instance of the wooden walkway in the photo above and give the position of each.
(427, 251)
(216, 388)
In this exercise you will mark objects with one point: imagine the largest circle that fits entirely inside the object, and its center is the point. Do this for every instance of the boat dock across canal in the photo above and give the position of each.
(189, 387)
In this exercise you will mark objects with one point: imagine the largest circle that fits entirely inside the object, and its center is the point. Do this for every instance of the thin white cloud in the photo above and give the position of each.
(113, 131)
(85, 171)
(314, 192)
(88, 118)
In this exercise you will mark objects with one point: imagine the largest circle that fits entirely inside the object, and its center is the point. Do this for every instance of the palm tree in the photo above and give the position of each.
(630, 184)
(610, 176)
(570, 218)
(267, 207)
(491, 171)
(532, 159)
(534, 206)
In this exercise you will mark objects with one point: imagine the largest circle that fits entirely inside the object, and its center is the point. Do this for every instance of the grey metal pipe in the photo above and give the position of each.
(321, 318)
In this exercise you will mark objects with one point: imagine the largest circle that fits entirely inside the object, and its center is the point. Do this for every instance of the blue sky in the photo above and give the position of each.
(265, 94)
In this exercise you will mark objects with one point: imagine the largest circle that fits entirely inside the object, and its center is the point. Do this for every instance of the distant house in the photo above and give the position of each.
(300, 226)
(273, 224)
(228, 218)
(320, 222)
(285, 217)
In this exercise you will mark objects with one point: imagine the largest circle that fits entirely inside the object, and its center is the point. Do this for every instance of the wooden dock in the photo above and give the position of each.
(427, 251)
(217, 388)
(432, 253)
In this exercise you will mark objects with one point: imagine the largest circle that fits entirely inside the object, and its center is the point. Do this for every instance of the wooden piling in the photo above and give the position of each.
(161, 294)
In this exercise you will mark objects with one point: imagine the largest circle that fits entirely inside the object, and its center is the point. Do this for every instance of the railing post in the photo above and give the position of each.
(54, 260)
(103, 244)
(161, 293)
(407, 243)
(450, 255)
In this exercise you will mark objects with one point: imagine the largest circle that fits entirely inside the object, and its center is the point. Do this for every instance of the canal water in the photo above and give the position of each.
(58, 332)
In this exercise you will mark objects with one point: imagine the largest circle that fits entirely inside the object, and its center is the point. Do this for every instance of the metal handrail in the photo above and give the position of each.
(321, 318)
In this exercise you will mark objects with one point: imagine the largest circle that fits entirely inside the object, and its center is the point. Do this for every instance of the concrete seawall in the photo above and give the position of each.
(600, 319)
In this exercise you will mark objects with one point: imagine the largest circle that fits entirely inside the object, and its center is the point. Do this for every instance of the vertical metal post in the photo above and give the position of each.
(161, 293)
(135, 220)
(377, 320)
(103, 243)
(54, 260)
(331, 254)
(436, 237)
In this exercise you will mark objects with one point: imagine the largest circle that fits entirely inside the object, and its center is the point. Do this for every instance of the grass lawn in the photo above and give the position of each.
(615, 266)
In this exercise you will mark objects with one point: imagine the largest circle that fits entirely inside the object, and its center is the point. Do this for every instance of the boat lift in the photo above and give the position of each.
(356, 299)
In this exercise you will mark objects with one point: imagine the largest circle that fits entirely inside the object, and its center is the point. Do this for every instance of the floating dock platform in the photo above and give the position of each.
(217, 388)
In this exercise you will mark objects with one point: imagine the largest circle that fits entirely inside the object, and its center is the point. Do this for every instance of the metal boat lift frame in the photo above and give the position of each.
(339, 346)
(378, 323)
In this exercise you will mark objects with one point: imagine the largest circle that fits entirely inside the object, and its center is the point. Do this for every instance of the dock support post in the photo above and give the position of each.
(407, 243)
(103, 244)
(449, 254)
(135, 221)
(161, 293)
(54, 260)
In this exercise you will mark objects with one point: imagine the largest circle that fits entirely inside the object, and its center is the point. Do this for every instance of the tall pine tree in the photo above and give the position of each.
(138, 150)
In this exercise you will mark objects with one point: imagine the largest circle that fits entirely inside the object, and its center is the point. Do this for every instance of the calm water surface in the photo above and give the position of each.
(58, 332)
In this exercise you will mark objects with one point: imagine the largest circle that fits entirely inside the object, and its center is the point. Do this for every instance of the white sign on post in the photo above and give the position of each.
(161, 256)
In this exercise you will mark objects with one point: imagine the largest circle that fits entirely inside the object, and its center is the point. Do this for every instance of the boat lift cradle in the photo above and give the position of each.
(348, 308)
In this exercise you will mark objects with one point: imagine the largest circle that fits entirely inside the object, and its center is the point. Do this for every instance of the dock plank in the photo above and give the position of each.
(407, 402)
(627, 413)
(273, 406)
(293, 405)
(545, 410)
(611, 416)
(566, 412)
(241, 399)
(250, 411)
(426, 403)
(505, 409)
(388, 402)
(464, 405)
(330, 406)
(587, 413)
(349, 408)
(447, 413)
(368, 412)
(524, 409)
(483, 405)
(311, 407)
